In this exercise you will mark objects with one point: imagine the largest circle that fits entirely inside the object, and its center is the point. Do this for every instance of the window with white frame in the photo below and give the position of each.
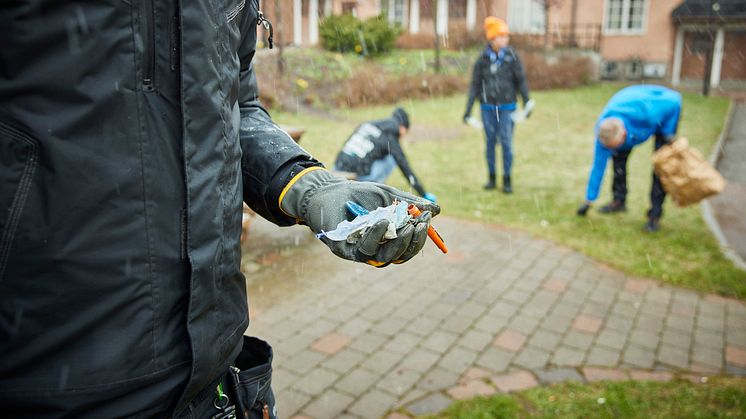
(625, 16)
(526, 16)
(393, 10)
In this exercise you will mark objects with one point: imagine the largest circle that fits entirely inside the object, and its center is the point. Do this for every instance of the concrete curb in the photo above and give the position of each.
(706, 208)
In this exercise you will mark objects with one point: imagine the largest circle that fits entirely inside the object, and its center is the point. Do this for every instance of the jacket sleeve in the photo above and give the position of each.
(270, 157)
(403, 163)
(600, 157)
(473, 87)
(520, 79)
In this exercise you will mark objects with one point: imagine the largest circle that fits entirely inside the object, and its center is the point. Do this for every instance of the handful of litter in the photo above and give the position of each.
(351, 231)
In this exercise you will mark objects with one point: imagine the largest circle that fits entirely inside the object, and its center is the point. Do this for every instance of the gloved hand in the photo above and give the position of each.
(430, 197)
(528, 107)
(318, 198)
(583, 209)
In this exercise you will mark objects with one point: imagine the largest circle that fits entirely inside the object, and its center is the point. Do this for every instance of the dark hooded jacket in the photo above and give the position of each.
(373, 141)
(497, 81)
(129, 131)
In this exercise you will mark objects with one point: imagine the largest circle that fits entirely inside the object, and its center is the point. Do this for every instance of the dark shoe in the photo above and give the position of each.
(612, 207)
(491, 184)
(507, 188)
(652, 225)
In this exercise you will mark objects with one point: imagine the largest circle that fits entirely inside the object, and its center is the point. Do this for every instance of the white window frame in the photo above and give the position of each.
(625, 19)
(526, 11)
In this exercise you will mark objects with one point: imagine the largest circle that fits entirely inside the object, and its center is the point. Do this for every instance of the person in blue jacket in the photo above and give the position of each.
(630, 118)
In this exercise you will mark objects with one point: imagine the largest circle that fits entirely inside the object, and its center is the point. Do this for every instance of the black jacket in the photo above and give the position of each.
(373, 141)
(497, 83)
(121, 185)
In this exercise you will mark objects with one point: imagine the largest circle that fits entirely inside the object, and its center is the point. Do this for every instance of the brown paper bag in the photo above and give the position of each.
(685, 175)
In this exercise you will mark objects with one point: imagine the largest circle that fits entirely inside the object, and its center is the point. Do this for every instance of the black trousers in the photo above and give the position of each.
(619, 183)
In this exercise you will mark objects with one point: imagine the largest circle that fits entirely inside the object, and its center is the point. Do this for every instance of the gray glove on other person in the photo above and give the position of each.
(317, 198)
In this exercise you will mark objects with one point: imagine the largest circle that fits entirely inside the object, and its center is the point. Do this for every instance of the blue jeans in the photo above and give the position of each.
(498, 124)
(379, 170)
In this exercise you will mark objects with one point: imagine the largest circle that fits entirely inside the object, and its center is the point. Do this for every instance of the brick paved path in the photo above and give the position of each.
(501, 312)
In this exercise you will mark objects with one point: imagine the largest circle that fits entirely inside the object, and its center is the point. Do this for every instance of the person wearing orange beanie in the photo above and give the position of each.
(496, 79)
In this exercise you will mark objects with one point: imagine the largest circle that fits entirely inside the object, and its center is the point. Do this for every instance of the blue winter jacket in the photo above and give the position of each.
(645, 110)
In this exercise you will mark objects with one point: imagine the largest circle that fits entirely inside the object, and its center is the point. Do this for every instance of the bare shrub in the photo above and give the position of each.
(372, 87)
(568, 71)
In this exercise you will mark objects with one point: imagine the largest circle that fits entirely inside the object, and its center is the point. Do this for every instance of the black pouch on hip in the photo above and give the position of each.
(251, 380)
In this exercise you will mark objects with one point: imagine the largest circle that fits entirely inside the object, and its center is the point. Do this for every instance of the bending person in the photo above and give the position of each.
(374, 150)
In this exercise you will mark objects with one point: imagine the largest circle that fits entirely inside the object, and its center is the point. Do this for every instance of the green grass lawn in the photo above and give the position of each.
(553, 153)
(719, 398)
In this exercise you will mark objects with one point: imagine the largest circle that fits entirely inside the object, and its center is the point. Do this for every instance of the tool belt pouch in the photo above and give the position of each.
(251, 380)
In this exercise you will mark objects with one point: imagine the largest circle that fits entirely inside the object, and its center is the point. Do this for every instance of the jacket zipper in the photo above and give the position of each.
(148, 44)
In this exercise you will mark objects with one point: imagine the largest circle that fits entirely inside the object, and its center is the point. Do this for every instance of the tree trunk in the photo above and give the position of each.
(279, 31)
(437, 36)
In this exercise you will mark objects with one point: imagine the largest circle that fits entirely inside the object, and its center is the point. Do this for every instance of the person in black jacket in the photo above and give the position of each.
(373, 150)
(497, 75)
(130, 132)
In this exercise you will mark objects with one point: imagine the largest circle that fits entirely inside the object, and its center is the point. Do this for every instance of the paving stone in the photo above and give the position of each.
(601, 374)
(368, 342)
(557, 324)
(439, 342)
(397, 415)
(471, 389)
(612, 339)
(399, 381)
(390, 326)
(684, 324)
(381, 361)
(456, 296)
(422, 326)
(566, 309)
(558, 375)
(555, 285)
(476, 340)
(568, 357)
(735, 356)
(515, 381)
(532, 358)
(603, 296)
(675, 338)
(602, 357)
(644, 338)
(491, 323)
(457, 324)
(736, 337)
(402, 343)
(355, 326)
(510, 340)
(638, 356)
(331, 343)
(595, 310)
(703, 369)
(707, 356)
(290, 402)
(651, 375)
(343, 361)
(304, 361)
(674, 356)
(329, 405)
(648, 323)
(458, 359)
(545, 339)
(735, 370)
(495, 359)
(475, 373)
(525, 324)
(316, 382)
(438, 379)
(430, 405)
(282, 379)
(578, 340)
(619, 323)
(357, 382)
(420, 360)
(707, 339)
(638, 286)
(516, 296)
(296, 343)
(683, 309)
(373, 404)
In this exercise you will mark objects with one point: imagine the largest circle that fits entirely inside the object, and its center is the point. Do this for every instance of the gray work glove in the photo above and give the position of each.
(318, 199)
